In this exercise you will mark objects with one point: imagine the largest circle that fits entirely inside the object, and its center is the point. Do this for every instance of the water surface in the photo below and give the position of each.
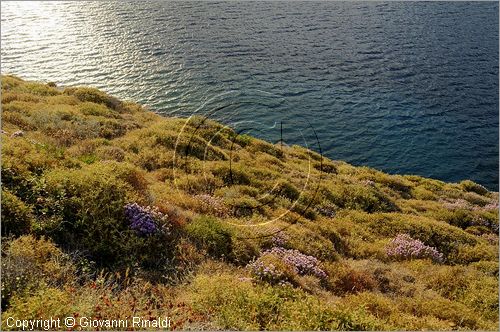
(405, 87)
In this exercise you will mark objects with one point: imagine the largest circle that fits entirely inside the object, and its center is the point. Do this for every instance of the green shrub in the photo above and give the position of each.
(445, 238)
(107, 152)
(86, 209)
(243, 251)
(90, 108)
(357, 197)
(469, 185)
(476, 199)
(326, 166)
(17, 218)
(422, 193)
(489, 268)
(305, 210)
(458, 314)
(197, 184)
(396, 183)
(308, 241)
(151, 160)
(468, 254)
(51, 302)
(343, 279)
(17, 119)
(232, 176)
(470, 287)
(245, 206)
(461, 218)
(244, 140)
(111, 128)
(9, 82)
(239, 305)
(339, 242)
(287, 190)
(23, 160)
(39, 89)
(194, 146)
(270, 268)
(210, 235)
(94, 96)
(28, 262)
(261, 146)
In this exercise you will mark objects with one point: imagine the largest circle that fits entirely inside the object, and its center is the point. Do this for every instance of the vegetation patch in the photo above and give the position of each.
(109, 210)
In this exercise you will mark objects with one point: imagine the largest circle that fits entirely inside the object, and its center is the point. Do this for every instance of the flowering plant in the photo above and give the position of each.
(403, 246)
(279, 264)
(215, 205)
(279, 239)
(146, 220)
(271, 269)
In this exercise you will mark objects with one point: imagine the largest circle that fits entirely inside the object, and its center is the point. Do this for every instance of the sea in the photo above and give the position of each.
(403, 87)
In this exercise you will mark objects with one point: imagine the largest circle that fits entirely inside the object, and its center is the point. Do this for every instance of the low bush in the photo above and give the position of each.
(287, 190)
(94, 96)
(357, 197)
(107, 152)
(245, 206)
(91, 108)
(471, 186)
(52, 302)
(261, 146)
(342, 279)
(308, 241)
(467, 254)
(210, 235)
(83, 209)
(232, 176)
(445, 238)
(238, 305)
(243, 251)
(17, 218)
(457, 314)
(271, 268)
(28, 262)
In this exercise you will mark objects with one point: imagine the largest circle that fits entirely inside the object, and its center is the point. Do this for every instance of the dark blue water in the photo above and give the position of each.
(408, 88)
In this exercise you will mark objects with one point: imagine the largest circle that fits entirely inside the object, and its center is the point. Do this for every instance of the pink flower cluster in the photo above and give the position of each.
(279, 239)
(297, 261)
(214, 204)
(463, 204)
(456, 204)
(403, 246)
(491, 206)
(267, 272)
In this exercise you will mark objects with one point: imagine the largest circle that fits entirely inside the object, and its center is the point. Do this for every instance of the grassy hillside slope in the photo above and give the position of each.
(111, 211)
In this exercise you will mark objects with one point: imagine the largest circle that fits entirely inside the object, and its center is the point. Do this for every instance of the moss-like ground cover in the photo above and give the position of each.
(107, 212)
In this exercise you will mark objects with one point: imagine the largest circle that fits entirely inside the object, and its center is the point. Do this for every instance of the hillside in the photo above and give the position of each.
(111, 211)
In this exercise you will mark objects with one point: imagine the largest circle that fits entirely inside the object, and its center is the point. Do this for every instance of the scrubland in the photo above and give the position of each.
(111, 211)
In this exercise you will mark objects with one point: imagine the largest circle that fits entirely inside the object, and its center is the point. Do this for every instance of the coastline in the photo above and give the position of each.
(189, 209)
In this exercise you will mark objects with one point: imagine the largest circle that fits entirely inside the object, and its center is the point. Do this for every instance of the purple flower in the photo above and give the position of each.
(403, 246)
(214, 205)
(145, 220)
(291, 258)
(279, 239)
